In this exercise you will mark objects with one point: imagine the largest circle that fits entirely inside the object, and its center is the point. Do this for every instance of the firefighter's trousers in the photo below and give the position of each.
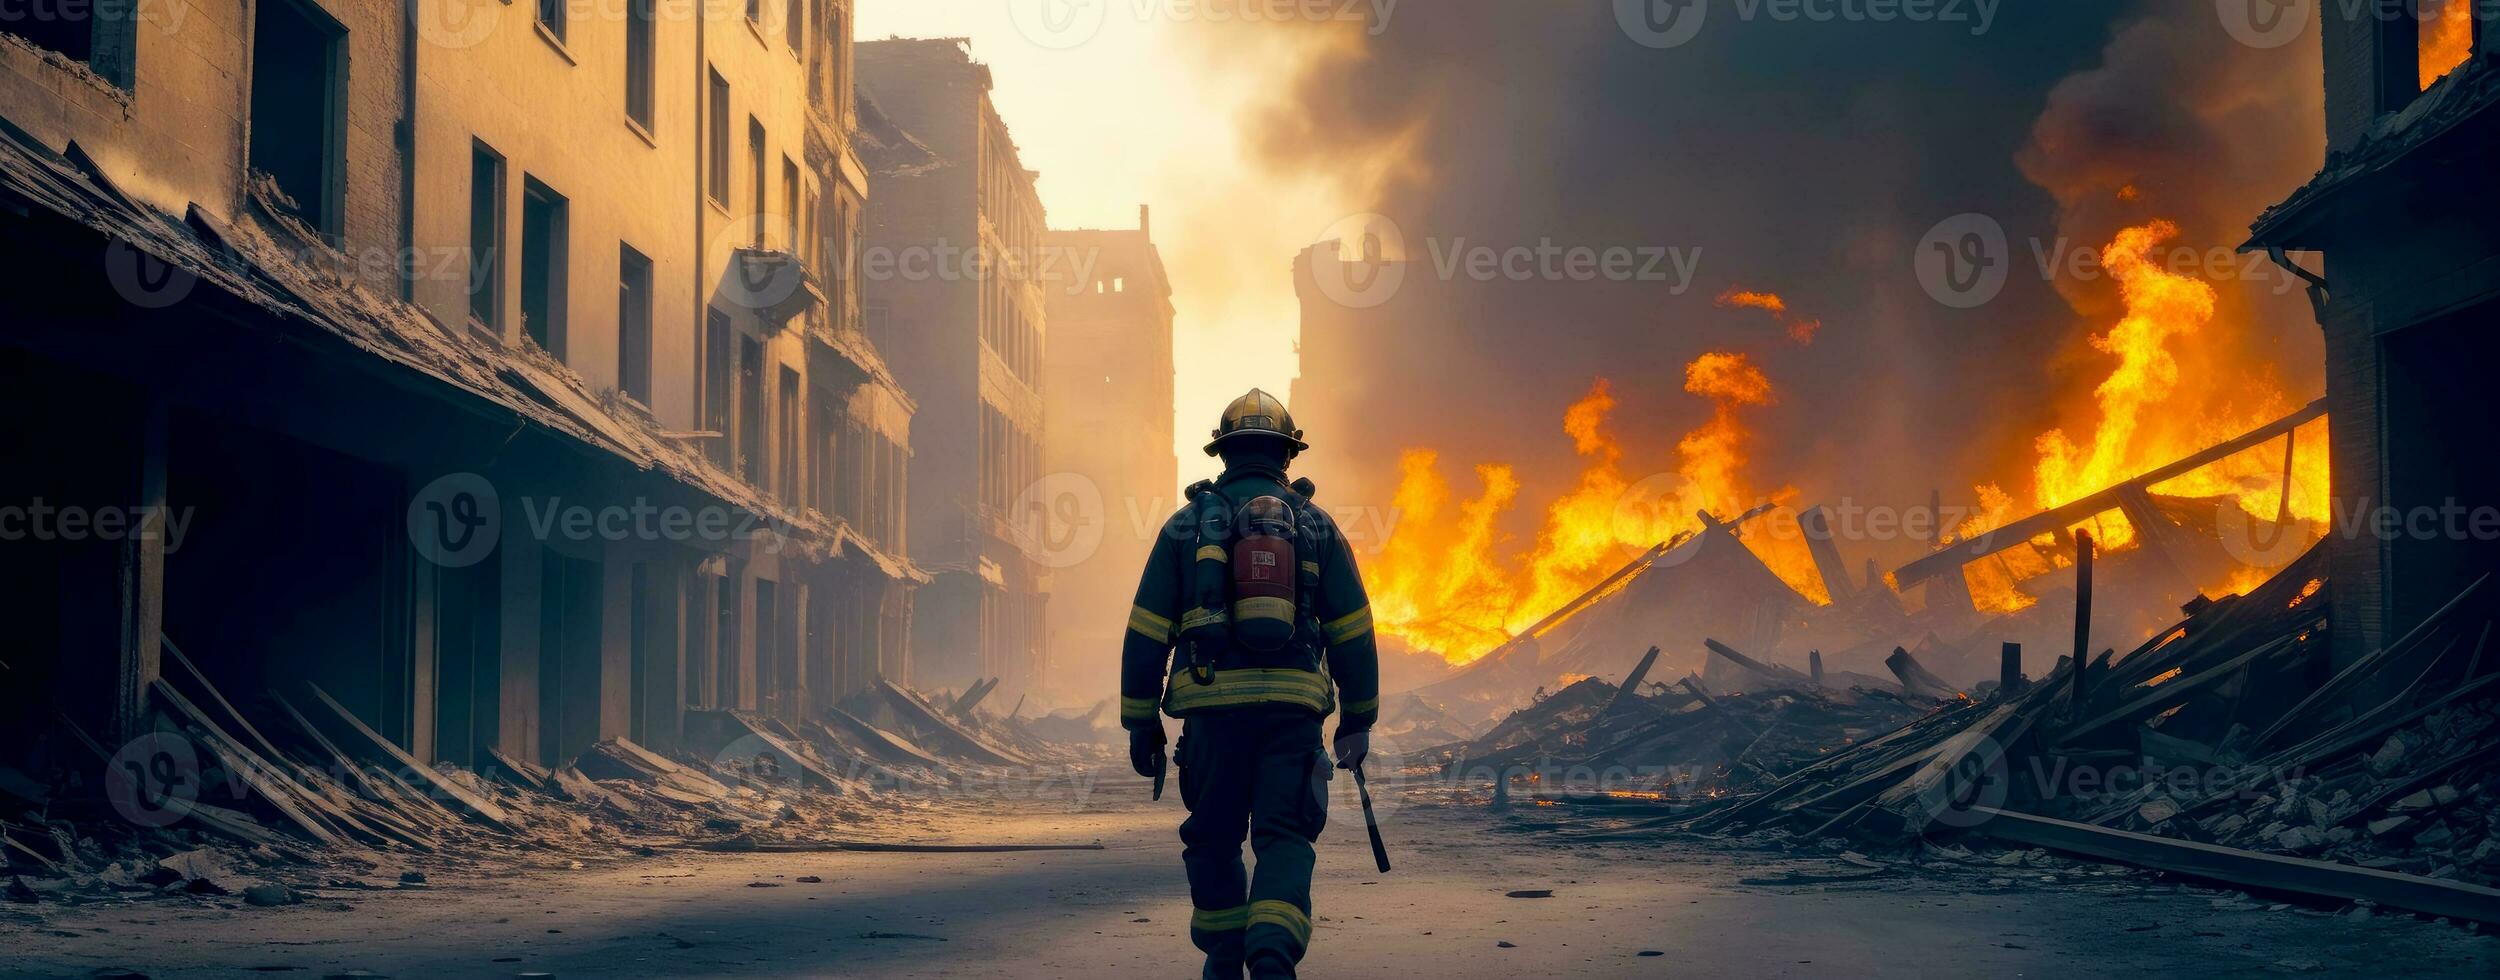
(1261, 771)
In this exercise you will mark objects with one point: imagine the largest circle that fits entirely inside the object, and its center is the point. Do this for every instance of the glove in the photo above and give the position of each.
(1145, 751)
(1352, 747)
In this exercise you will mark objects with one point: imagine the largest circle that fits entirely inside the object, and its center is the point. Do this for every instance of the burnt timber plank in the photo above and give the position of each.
(1990, 542)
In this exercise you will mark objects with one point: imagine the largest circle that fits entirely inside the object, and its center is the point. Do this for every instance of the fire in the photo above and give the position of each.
(1739, 298)
(1800, 328)
(1447, 580)
(2145, 418)
(2447, 37)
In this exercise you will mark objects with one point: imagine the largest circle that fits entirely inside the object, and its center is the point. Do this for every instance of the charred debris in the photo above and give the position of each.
(2233, 748)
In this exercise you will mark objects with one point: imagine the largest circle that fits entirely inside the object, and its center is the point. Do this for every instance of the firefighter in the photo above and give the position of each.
(1256, 590)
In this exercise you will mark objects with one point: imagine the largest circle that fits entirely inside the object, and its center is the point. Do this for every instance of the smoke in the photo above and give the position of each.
(2179, 124)
(1798, 158)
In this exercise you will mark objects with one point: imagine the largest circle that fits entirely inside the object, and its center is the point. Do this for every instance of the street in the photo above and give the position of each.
(1673, 907)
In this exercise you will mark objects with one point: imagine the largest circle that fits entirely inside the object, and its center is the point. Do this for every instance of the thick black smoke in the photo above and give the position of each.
(1800, 157)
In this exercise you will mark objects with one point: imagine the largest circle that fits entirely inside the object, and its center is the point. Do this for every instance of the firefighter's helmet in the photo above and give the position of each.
(1257, 414)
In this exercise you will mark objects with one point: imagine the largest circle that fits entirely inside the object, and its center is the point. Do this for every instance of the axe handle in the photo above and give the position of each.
(1380, 851)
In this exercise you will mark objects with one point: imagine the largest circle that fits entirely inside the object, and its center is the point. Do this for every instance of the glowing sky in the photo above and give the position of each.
(1141, 110)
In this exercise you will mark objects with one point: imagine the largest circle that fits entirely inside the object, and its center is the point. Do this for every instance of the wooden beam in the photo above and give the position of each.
(479, 807)
(1816, 522)
(1771, 672)
(2083, 616)
(2247, 869)
(2172, 692)
(1632, 683)
(2058, 518)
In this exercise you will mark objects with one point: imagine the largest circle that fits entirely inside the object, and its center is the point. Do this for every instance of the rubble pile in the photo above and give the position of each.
(2230, 747)
(1677, 741)
(299, 797)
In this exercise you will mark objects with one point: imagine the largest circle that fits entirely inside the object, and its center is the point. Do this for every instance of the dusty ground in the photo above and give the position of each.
(1652, 909)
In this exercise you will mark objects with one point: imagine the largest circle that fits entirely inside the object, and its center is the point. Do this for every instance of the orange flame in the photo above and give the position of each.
(1800, 329)
(2145, 419)
(2447, 37)
(1442, 582)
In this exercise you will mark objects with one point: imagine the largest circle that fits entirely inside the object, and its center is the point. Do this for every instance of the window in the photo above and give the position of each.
(755, 142)
(296, 99)
(838, 51)
(790, 195)
(551, 17)
(2446, 39)
(718, 186)
(542, 266)
(821, 450)
(794, 33)
(786, 439)
(717, 386)
(755, 12)
(750, 433)
(875, 319)
(104, 44)
(486, 238)
(633, 324)
(725, 633)
(639, 25)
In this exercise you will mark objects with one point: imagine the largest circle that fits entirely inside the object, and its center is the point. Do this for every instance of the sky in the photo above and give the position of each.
(1124, 110)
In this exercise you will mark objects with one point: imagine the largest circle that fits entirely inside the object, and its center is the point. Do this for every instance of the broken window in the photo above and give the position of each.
(486, 238)
(716, 386)
(718, 130)
(639, 27)
(755, 144)
(100, 35)
(751, 411)
(633, 324)
(296, 99)
(542, 265)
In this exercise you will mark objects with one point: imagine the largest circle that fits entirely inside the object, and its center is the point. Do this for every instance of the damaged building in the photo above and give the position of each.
(955, 241)
(2410, 297)
(505, 386)
(1108, 393)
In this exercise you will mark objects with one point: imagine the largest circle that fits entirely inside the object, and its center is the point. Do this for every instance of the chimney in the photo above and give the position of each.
(1145, 220)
